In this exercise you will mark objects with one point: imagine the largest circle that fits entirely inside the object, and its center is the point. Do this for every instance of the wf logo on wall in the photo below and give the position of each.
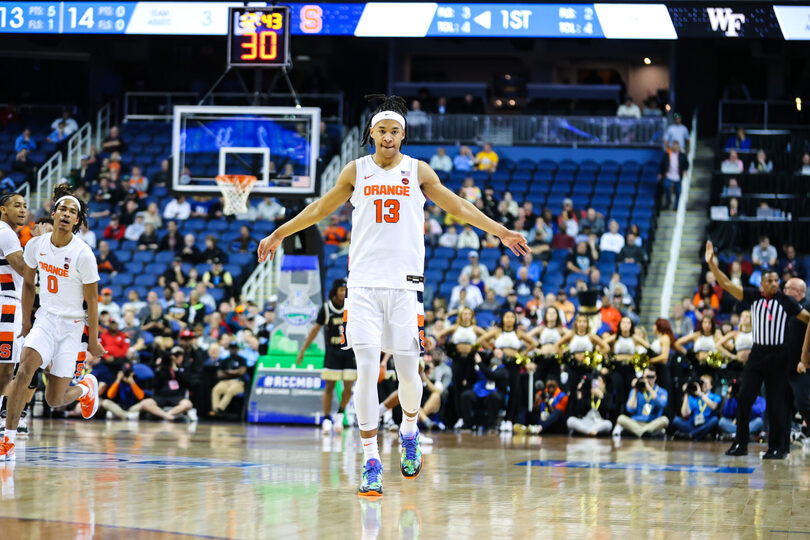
(726, 21)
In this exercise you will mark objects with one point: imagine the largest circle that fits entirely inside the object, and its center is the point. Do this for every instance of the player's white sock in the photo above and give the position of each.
(370, 448)
(408, 426)
(383, 409)
(85, 390)
(410, 384)
(366, 400)
(11, 434)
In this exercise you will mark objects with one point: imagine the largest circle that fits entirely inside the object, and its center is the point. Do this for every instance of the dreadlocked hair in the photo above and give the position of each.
(62, 190)
(388, 103)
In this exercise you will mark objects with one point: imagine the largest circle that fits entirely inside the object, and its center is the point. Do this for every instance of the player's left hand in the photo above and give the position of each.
(516, 242)
(96, 349)
(268, 246)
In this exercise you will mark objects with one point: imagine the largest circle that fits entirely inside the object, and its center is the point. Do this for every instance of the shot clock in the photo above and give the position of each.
(259, 37)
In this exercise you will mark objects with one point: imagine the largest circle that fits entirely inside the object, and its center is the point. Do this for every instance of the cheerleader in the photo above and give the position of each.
(549, 334)
(580, 342)
(705, 341)
(659, 353)
(625, 343)
(737, 343)
(508, 341)
(460, 348)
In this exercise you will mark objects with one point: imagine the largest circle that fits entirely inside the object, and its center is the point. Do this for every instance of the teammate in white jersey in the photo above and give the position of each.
(383, 308)
(64, 331)
(13, 210)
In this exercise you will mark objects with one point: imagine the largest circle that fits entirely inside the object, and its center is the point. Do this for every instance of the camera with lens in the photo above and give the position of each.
(693, 387)
(127, 369)
(641, 386)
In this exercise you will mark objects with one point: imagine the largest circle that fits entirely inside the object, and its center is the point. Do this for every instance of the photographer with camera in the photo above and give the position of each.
(645, 405)
(552, 403)
(592, 408)
(124, 396)
(172, 386)
(698, 408)
(728, 420)
(489, 391)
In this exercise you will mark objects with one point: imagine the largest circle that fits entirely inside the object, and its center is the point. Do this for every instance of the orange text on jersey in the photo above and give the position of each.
(51, 269)
(387, 190)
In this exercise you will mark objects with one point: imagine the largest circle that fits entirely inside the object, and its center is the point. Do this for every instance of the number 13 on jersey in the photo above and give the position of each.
(391, 213)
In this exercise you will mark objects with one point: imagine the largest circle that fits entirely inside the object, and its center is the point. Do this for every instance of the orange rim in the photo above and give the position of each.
(240, 181)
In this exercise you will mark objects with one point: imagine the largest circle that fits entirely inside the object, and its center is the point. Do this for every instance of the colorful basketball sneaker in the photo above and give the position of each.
(90, 400)
(7, 450)
(372, 479)
(410, 462)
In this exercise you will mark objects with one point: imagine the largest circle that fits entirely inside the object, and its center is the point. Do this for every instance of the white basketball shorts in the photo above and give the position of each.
(392, 320)
(11, 342)
(61, 342)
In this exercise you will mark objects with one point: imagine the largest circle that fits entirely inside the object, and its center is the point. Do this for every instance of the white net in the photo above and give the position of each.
(235, 190)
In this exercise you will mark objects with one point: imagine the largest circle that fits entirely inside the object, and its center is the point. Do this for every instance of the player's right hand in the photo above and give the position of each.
(96, 349)
(709, 255)
(268, 246)
(26, 328)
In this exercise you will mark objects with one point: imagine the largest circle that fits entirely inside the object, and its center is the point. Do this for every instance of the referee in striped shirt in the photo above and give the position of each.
(770, 311)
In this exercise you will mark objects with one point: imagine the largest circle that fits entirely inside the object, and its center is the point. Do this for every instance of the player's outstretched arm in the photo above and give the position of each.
(732, 288)
(466, 211)
(313, 213)
(91, 297)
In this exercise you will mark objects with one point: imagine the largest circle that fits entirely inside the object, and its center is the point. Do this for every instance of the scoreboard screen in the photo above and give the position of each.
(259, 37)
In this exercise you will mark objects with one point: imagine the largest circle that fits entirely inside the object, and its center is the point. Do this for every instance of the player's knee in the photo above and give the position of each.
(329, 386)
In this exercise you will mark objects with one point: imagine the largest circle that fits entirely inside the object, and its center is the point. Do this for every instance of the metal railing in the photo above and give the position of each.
(47, 176)
(764, 114)
(151, 106)
(102, 124)
(262, 282)
(535, 130)
(349, 150)
(78, 144)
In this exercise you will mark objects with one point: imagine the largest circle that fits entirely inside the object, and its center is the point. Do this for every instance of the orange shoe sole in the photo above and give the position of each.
(369, 494)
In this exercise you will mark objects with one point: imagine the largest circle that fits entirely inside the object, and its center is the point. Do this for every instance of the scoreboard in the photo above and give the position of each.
(259, 37)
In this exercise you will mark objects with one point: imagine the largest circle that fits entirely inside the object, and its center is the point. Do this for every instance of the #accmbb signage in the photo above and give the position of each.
(725, 21)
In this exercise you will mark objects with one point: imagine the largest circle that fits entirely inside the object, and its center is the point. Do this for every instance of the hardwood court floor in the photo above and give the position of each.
(82, 480)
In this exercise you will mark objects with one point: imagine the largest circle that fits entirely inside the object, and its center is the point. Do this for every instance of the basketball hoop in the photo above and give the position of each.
(235, 190)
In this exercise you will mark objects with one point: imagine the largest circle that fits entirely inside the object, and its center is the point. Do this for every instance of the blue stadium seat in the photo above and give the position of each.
(559, 255)
(537, 199)
(143, 256)
(606, 177)
(142, 291)
(145, 280)
(341, 262)
(506, 164)
(135, 267)
(629, 268)
(163, 256)
(569, 164)
(243, 259)
(607, 257)
(631, 167)
(117, 290)
(564, 175)
(123, 255)
(434, 276)
(216, 225)
(605, 267)
(572, 278)
(582, 188)
(626, 190)
(128, 245)
(543, 175)
(586, 177)
(104, 279)
(610, 166)
(501, 176)
(555, 199)
(235, 270)
(446, 289)
(444, 253)
(526, 165)
(115, 245)
(589, 165)
(630, 280)
(443, 176)
(580, 201)
(547, 164)
(485, 319)
(124, 279)
(457, 264)
(519, 187)
(458, 176)
(628, 178)
(553, 282)
(480, 177)
(522, 176)
(603, 189)
(193, 224)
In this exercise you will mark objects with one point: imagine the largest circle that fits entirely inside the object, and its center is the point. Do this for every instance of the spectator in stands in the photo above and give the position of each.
(804, 170)
(105, 198)
(592, 408)
(469, 190)
(172, 385)
(138, 181)
(70, 125)
(490, 203)
(764, 255)
(190, 253)
(550, 406)
(164, 176)
(567, 221)
(440, 161)
(130, 210)
(218, 278)
(645, 407)
(733, 208)
(488, 391)
(23, 164)
(491, 302)
(135, 231)
(244, 243)
(335, 233)
(474, 262)
(628, 109)
(449, 238)
(268, 209)
(178, 208)
(652, 108)
(175, 274)
(136, 305)
(631, 252)
(705, 297)
(113, 142)
(612, 240)
(790, 266)
(681, 325)
(733, 164)
(212, 250)
(416, 116)
(499, 282)
(677, 132)
(468, 238)
(761, 165)
(58, 136)
(25, 142)
(486, 159)
(124, 396)
(732, 188)
(106, 259)
(581, 260)
(172, 240)
(433, 228)
(540, 238)
(230, 373)
(674, 165)
(156, 323)
(523, 286)
(106, 304)
(148, 238)
(115, 342)
(506, 262)
(594, 220)
(698, 409)
(465, 294)
(739, 141)
(87, 234)
(464, 160)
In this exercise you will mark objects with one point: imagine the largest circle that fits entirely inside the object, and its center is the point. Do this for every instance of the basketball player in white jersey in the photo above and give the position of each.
(13, 210)
(63, 332)
(383, 308)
